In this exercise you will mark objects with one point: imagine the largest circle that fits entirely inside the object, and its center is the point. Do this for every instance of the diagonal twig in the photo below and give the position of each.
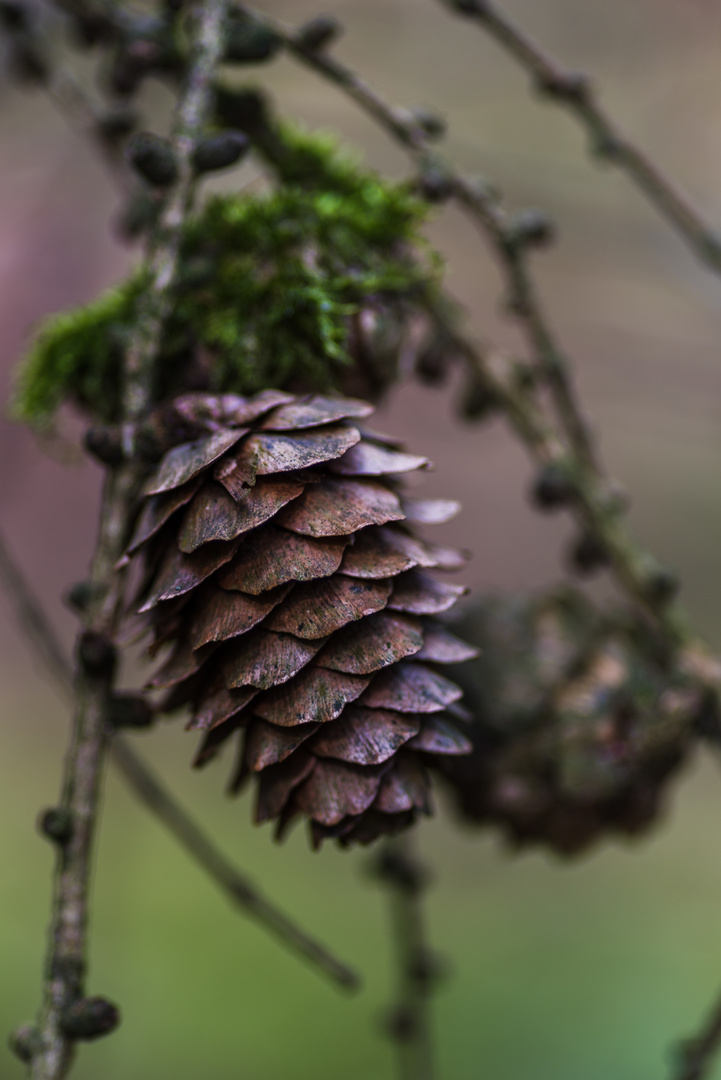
(158, 800)
(575, 91)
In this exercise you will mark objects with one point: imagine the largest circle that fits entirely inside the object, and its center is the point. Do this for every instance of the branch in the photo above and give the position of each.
(634, 568)
(409, 1023)
(222, 872)
(576, 93)
(481, 204)
(67, 1014)
(592, 499)
(151, 792)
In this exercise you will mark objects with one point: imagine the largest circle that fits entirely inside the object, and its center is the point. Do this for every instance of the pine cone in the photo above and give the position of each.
(577, 727)
(279, 564)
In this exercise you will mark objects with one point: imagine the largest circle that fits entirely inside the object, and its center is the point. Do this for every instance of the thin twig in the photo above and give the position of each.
(628, 559)
(409, 1022)
(594, 499)
(158, 800)
(695, 1056)
(481, 203)
(576, 93)
(235, 885)
(52, 1052)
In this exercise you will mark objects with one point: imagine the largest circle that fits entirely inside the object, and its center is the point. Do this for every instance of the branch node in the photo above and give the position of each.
(97, 655)
(56, 824)
(318, 33)
(89, 1018)
(25, 1042)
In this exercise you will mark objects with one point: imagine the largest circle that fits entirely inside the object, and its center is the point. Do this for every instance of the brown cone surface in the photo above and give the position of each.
(578, 727)
(295, 606)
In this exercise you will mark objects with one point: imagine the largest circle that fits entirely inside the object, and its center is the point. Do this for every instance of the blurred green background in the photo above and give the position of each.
(559, 972)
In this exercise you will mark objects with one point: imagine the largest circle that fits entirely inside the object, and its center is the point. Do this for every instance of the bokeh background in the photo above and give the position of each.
(559, 972)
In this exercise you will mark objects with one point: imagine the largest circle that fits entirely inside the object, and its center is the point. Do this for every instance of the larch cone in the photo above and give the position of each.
(280, 565)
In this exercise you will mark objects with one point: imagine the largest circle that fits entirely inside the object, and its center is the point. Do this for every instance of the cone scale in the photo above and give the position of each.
(282, 579)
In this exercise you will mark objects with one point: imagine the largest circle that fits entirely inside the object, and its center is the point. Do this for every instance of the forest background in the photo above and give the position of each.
(559, 972)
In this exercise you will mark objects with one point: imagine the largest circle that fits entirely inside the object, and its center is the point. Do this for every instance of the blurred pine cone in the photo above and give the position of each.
(280, 565)
(577, 726)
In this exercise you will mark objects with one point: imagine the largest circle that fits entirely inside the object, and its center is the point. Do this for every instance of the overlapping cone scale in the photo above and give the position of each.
(283, 580)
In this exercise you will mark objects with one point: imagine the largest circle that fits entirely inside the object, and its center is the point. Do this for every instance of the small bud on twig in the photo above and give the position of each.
(570, 86)
(588, 554)
(97, 655)
(105, 443)
(530, 228)
(117, 125)
(152, 157)
(56, 824)
(554, 487)
(220, 151)
(25, 1042)
(248, 41)
(246, 108)
(477, 400)
(90, 1018)
(433, 125)
(434, 184)
(319, 33)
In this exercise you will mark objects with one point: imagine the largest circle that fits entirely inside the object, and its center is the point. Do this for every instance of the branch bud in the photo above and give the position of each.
(117, 125)
(246, 108)
(318, 33)
(97, 656)
(554, 486)
(57, 825)
(530, 228)
(105, 443)
(90, 1018)
(570, 86)
(25, 1042)
(477, 400)
(248, 41)
(661, 584)
(152, 157)
(434, 184)
(220, 151)
(588, 554)
(432, 123)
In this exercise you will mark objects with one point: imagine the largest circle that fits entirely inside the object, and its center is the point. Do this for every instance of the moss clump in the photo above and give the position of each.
(267, 284)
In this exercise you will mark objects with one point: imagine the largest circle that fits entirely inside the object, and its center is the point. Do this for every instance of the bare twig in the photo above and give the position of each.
(151, 792)
(480, 202)
(235, 885)
(66, 1014)
(409, 1021)
(594, 499)
(576, 93)
(630, 563)
(695, 1056)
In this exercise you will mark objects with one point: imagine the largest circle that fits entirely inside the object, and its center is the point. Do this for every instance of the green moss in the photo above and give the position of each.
(266, 287)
